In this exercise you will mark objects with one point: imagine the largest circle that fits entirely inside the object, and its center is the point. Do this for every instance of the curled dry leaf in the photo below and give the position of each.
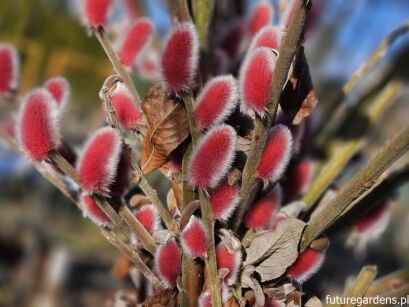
(139, 200)
(314, 302)
(230, 240)
(298, 98)
(231, 302)
(247, 281)
(294, 299)
(168, 127)
(234, 176)
(293, 209)
(244, 143)
(281, 292)
(174, 200)
(266, 242)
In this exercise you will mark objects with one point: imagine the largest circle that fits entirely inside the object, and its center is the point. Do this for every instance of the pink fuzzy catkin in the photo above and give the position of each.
(168, 263)
(262, 212)
(38, 125)
(306, 265)
(223, 200)
(180, 59)
(269, 37)
(9, 70)
(136, 40)
(276, 154)
(212, 157)
(194, 239)
(216, 101)
(91, 210)
(98, 163)
(261, 16)
(96, 12)
(230, 260)
(256, 76)
(298, 178)
(59, 88)
(128, 115)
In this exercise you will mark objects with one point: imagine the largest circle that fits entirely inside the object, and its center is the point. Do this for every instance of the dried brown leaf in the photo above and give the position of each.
(168, 127)
(248, 281)
(314, 302)
(293, 209)
(162, 298)
(264, 243)
(172, 201)
(139, 200)
(298, 98)
(229, 240)
(244, 143)
(281, 292)
(234, 176)
(231, 302)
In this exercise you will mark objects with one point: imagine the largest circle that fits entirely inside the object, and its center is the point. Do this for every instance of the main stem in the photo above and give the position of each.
(361, 182)
(287, 51)
(211, 264)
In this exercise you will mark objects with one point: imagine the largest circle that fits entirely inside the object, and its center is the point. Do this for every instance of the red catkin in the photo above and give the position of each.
(128, 115)
(261, 16)
(223, 200)
(228, 260)
(91, 210)
(168, 263)
(59, 88)
(96, 12)
(194, 239)
(9, 70)
(307, 264)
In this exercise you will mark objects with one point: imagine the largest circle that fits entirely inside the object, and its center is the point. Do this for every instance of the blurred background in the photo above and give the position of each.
(51, 256)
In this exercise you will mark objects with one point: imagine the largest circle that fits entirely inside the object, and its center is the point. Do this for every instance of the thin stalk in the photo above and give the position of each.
(344, 153)
(103, 39)
(286, 52)
(361, 182)
(361, 285)
(210, 261)
(329, 113)
(202, 13)
(192, 271)
(179, 10)
(134, 257)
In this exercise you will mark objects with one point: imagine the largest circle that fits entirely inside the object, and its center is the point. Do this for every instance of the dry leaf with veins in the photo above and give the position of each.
(168, 127)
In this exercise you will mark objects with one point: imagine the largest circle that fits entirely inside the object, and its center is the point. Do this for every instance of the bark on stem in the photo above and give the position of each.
(361, 284)
(117, 65)
(286, 52)
(346, 151)
(210, 262)
(361, 182)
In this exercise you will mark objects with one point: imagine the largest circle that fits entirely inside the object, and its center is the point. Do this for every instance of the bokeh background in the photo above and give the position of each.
(51, 256)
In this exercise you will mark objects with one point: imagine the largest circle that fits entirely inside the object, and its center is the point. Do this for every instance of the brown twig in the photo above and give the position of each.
(287, 51)
(360, 286)
(361, 182)
(179, 10)
(103, 39)
(344, 152)
(329, 113)
(210, 261)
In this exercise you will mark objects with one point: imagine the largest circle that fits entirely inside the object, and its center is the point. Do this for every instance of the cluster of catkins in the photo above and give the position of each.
(103, 168)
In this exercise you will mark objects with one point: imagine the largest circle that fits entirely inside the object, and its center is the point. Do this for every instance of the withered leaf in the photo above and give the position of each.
(247, 281)
(168, 127)
(173, 200)
(313, 302)
(231, 302)
(293, 209)
(234, 176)
(229, 240)
(266, 242)
(139, 200)
(283, 253)
(298, 98)
(244, 143)
(281, 292)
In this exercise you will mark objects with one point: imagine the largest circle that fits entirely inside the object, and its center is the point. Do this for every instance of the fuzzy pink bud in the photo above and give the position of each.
(129, 117)
(96, 12)
(91, 210)
(180, 59)
(256, 76)
(136, 39)
(261, 16)
(213, 157)
(373, 224)
(9, 69)
(216, 101)
(268, 36)
(168, 263)
(194, 239)
(306, 265)
(261, 214)
(230, 260)
(59, 88)
(98, 163)
(148, 216)
(38, 125)
(223, 201)
(276, 155)
(298, 178)
(205, 300)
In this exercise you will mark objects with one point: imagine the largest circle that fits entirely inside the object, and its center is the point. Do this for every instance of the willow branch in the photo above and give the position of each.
(202, 13)
(134, 257)
(179, 10)
(103, 39)
(362, 181)
(361, 284)
(210, 261)
(389, 283)
(361, 72)
(343, 153)
(287, 51)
